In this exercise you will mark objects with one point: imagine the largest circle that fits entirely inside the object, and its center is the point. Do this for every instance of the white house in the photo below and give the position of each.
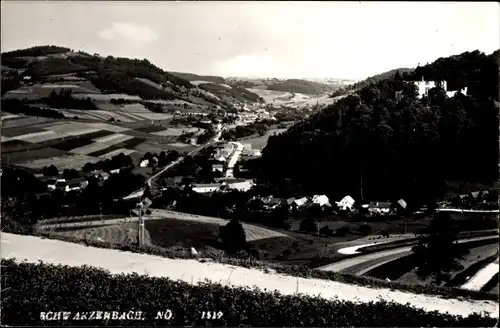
(321, 200)
(217, 167)
(205, 188)
(346, 203)
(241, 185)
(379, 207)
(144, 163)
(301, 201)
(115, 171)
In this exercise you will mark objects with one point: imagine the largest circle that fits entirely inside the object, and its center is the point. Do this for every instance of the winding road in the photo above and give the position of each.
(360, 265)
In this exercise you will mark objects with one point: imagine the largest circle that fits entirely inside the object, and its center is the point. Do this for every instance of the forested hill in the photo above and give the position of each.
(379, 77)
(195, 77)
(401, 148)
(475, 70)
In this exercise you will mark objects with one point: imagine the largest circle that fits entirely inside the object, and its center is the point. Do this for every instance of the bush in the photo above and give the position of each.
(365, 229)
(325, 230)
(342, 231)
(308, 225)
(233, 236)
(93, 289)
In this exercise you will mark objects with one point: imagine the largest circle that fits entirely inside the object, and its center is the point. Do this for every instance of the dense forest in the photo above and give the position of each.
(384, 143)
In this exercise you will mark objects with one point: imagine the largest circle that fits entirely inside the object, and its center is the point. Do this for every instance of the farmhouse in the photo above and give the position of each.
(206, 188)
(144, 163)
(244, 185)
(301, 201)
(379, 207)
(217, 167)
(321, 200)
(346, 203)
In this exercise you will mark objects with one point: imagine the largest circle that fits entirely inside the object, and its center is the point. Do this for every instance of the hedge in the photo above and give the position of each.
(292, 270)
(28, 289)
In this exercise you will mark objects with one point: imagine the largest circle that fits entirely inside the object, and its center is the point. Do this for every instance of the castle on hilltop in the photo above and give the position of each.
(423, 88)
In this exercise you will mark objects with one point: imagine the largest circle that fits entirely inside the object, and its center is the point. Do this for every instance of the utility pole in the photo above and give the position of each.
(361, 184)
(141, 225)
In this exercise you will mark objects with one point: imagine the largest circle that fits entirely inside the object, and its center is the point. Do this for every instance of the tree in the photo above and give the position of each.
(233, 236)
(308, 225)
(325, 230)
(50, 171)
(342, 231)
(438, 253)
(365, 229)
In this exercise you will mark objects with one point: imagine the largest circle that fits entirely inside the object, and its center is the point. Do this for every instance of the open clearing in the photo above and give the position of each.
(33, 249)
(261, 141)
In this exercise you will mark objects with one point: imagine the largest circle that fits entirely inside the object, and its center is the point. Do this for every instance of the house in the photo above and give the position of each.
(379, 208)
(104, 176)
(51, 184)
(60, 185)
(402, 203)
(217, 167)
(206, 188)
(144, 163)
(301, 201)
(346, 203)
(115, 171)
(241, 185)
(270, 202)
(321, 200)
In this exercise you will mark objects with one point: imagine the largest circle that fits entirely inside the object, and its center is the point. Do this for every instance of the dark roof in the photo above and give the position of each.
(76, 181)
(73, 185)
(380, 204)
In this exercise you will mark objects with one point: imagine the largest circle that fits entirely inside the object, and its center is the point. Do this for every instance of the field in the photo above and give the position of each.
(39, 91)
(280, 98)
(70, 144)
(261, 141)
(166, 229)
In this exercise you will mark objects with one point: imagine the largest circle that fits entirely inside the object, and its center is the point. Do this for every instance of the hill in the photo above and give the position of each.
(379, 77)
(392, 147)
(284, 85)
(58, 67)
(195, 77)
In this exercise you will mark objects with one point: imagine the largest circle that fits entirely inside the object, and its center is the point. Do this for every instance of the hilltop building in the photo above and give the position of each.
(423, 88)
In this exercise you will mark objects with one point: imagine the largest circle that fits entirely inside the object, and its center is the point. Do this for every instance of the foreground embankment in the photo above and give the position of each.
(34, 249)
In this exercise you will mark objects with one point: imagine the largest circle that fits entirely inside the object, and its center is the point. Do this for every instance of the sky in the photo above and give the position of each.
(350, 40)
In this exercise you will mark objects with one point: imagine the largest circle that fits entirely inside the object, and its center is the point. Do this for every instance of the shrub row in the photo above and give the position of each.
(29, 289)
(292, 270)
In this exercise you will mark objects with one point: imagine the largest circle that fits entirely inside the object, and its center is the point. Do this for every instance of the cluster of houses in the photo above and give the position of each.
(223, 185)
(345, 204)
(75, 184)
(472, 198)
